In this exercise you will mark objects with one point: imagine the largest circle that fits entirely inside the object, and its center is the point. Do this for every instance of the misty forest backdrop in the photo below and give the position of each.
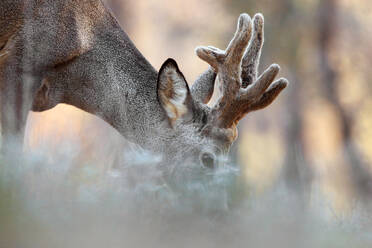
(315, 139)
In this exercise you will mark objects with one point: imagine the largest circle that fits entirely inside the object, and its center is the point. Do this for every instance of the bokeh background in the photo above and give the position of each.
(316, 137)
(315, 140)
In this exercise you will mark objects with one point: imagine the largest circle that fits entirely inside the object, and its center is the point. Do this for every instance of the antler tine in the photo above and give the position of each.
(252, 56)
(269, 96)
(256, 89)
(238, 45)
(212, 55)
(202, 88)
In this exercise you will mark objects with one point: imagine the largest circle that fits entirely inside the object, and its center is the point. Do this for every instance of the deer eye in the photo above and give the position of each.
(207, 160)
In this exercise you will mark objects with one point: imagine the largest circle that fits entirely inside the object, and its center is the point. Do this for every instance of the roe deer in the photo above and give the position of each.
(74, 52)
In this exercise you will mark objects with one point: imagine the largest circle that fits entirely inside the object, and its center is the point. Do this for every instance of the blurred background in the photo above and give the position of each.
(315, 140)
(317, 136)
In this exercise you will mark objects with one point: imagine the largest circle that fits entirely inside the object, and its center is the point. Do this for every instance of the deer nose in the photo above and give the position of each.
(208, 160)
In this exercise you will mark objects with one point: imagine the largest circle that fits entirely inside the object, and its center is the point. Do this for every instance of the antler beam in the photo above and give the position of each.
(236, 69)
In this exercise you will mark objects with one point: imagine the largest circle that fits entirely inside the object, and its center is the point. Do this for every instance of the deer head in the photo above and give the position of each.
(242, 91)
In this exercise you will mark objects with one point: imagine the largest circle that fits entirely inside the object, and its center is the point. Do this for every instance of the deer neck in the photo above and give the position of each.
(123, 91)
(104, 74)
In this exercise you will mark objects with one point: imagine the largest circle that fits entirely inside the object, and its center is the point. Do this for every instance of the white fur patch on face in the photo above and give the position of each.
(173, 93)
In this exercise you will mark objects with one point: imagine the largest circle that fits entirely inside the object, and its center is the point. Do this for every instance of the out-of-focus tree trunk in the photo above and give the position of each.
(296, 172)
(359, 174)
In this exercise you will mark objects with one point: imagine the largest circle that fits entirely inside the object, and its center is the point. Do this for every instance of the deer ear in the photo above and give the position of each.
(173, 91)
